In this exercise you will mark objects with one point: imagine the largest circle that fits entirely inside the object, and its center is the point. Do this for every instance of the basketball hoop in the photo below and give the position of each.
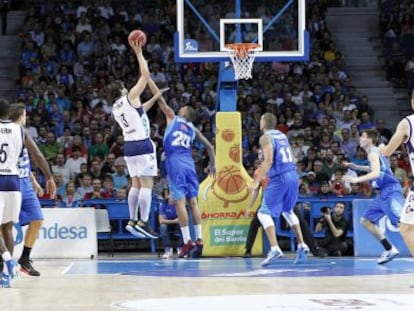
(242, 56)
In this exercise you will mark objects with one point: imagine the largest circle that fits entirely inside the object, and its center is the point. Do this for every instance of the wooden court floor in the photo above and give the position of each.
(144, 282)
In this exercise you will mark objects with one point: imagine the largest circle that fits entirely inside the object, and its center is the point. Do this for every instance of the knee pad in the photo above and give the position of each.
(266, 220)
(291, 218)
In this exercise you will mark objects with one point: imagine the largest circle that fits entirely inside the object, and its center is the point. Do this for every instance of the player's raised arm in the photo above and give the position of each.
(149, 103)
(140, 86)
(168, 112)
(210, 151)
(400, 135)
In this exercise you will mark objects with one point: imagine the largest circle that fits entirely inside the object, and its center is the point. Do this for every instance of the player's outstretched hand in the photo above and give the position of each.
(212, 170)
(136, 46)
(350, 179)
(51, 188)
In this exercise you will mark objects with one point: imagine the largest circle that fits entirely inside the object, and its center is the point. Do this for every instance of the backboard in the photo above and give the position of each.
(205, 27)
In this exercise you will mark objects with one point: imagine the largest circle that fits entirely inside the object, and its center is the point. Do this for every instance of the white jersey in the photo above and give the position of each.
(133, 121)
(409, 143)
(407, 214)
(11, 146)
(135, 128)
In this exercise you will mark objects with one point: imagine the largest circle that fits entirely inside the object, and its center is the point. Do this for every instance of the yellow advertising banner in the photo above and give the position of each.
(223, 201)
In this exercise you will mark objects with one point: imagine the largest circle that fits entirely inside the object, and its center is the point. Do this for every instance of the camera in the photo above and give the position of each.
(325, 210)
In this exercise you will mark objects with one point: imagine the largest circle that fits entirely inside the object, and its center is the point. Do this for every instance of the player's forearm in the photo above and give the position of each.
(367, 177)
(38, 158)
(363, 168)
(253, 198)
(264, 168)
(143, 65)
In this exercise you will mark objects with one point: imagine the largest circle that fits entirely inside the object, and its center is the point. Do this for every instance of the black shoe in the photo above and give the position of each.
(319, 252)
(26, 267)
(247, 254)
(146, 230)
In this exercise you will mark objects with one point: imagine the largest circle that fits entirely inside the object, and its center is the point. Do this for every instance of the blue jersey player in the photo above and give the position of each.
(389, 201)
(181, 173)
(31, 212)
(281, 193)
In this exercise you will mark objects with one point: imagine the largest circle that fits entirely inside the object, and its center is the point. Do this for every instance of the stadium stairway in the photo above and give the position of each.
(355, 31)
(10, 53)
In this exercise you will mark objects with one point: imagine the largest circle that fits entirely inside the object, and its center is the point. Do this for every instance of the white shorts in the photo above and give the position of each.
(142, 165)
(407, 213)
(10, 202)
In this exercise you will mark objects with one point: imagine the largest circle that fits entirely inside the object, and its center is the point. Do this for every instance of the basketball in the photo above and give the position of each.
(137, 35)
(227, 135)
(230, 181)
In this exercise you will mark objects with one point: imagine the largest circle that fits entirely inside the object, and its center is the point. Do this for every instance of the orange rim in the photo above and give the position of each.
(242, 48)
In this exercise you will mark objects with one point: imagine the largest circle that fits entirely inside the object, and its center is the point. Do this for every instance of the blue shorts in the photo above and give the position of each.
(182, 180)
(31, 209)
(389, 202)
(281, 194)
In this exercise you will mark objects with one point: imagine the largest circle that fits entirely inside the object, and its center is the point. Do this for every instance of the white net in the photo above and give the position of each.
(242, 56)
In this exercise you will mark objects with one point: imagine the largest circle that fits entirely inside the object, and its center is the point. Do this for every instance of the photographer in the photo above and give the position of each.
(336, 227)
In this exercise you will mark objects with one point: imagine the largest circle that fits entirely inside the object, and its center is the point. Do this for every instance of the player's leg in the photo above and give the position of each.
(146, 175)
(407, 223)
(192, 194)
(30, 214)
(11, 209)
(289, 191)
(133, 195)
(370, 219)
(271, 206)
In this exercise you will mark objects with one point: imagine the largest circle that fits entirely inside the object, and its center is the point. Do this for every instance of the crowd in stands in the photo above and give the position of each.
(71, 50)
(397, 33)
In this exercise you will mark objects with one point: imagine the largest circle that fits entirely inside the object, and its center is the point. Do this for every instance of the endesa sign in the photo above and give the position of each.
(65, 233)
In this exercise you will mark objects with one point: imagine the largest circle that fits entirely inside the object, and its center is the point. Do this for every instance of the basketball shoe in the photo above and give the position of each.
(27, 267)
(301, 253)
(11, 268)
(4, 280)
(145, 229)
(197, 251)
(271, 255)
(186, 249)
(130, 227)
(168, 253)
(387, 256)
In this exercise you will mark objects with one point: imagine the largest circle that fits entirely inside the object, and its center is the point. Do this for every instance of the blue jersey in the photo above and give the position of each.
(180, 167)
(386, 177)
(178, 138)
(24, 171)
(283, 159)
(168, 210)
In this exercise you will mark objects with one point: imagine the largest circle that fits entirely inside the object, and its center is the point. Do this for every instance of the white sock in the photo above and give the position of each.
(302, 245)
(133, 196)
(6, 256)
(274, 248)
(185, 231)
(145, 197)
(197, 231)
